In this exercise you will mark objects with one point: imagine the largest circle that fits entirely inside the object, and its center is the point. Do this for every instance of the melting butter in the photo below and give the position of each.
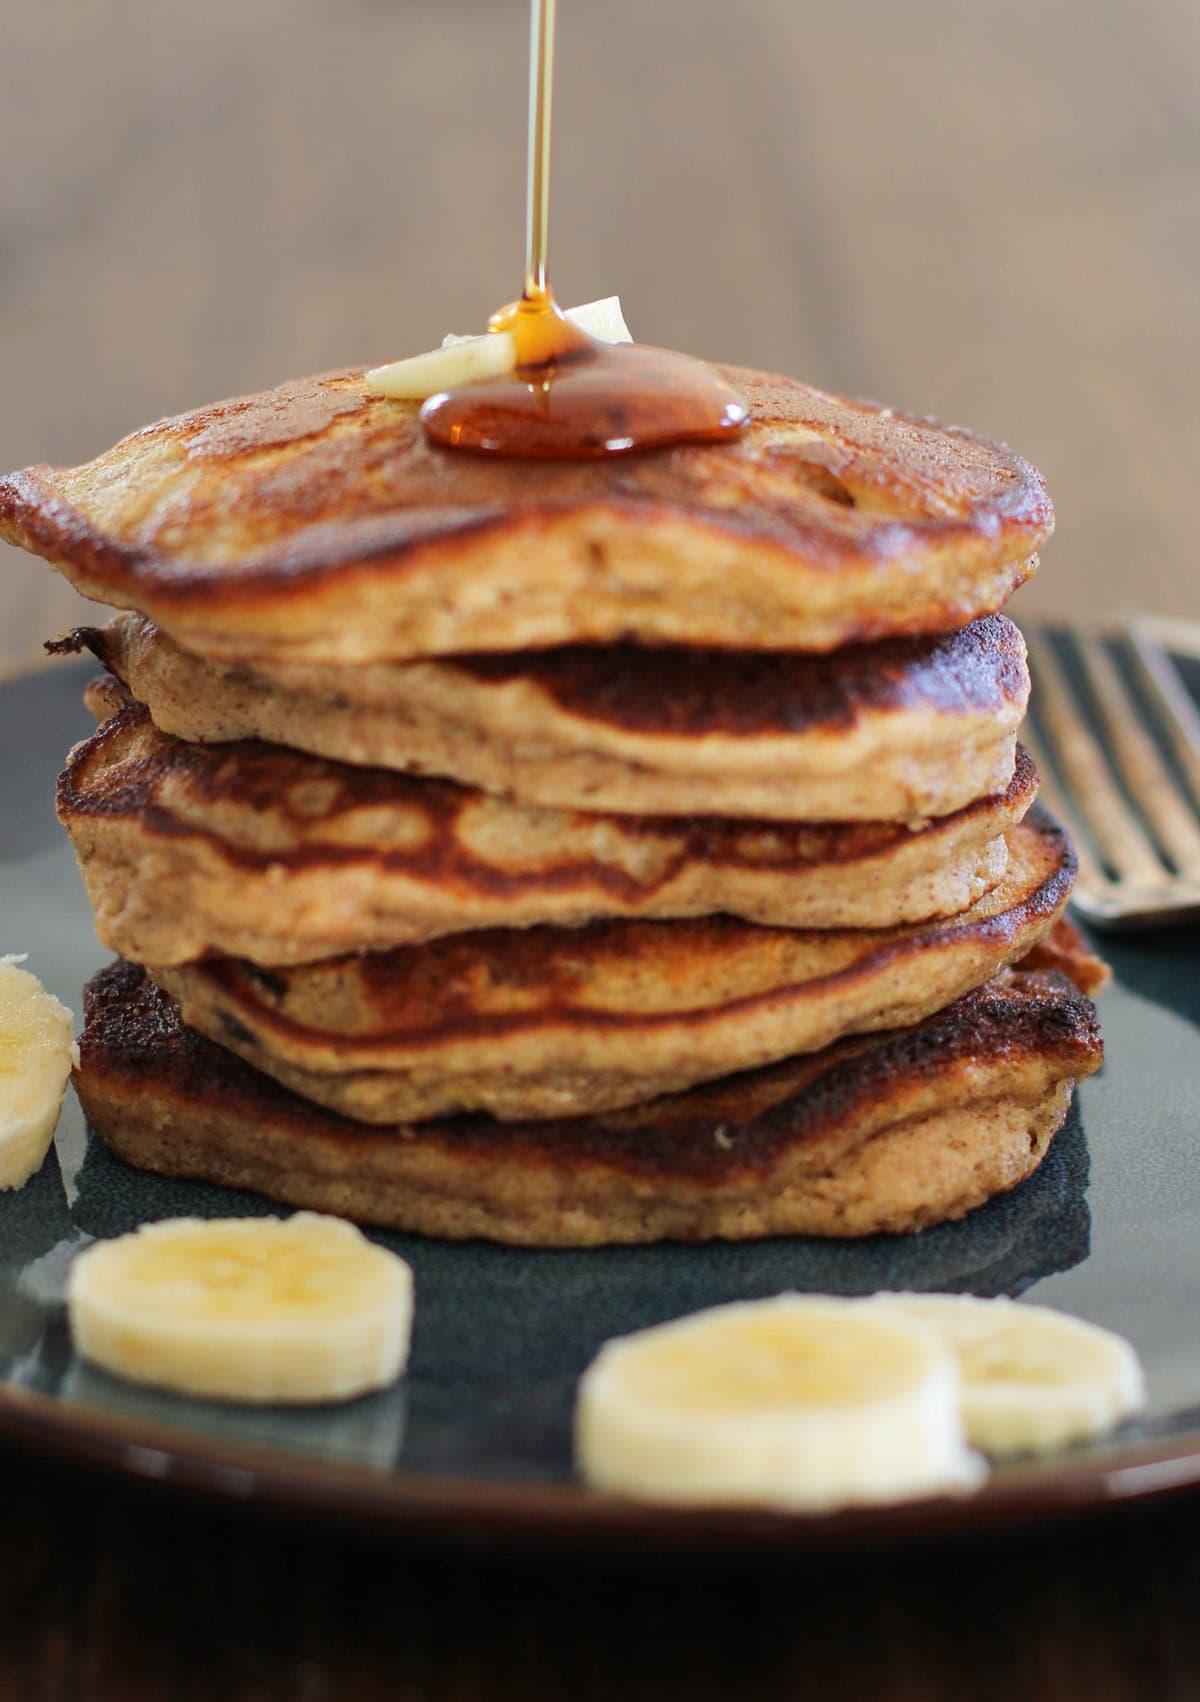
(465, 360)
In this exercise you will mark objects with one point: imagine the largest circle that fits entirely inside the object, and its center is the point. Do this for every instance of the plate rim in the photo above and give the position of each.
(441, 1506)
(1127, 1471)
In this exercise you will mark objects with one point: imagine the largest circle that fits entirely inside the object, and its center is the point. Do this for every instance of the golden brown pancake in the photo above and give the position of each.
(315, 521)
(897, 731)
(254, 851)
(549, 1022)
(891, 1133)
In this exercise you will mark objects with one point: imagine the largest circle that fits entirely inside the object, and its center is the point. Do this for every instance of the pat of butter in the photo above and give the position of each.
(463, 360)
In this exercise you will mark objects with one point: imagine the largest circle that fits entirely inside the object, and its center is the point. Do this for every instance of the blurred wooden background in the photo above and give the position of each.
(988, 212)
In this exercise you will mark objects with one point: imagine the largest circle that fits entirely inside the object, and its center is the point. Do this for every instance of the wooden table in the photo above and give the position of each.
(112, 1596)
(984, 211)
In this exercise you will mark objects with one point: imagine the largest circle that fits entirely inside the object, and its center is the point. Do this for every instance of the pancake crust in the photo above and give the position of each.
(897, 731)
(315, 521)
(254, 851)
(889, 1134)
(1065, 951)
(550, 1022)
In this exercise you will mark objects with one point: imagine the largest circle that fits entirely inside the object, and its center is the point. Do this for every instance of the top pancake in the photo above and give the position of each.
(315, 522)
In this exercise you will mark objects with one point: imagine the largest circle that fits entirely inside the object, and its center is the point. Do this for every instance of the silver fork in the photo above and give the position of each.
(1134, 817)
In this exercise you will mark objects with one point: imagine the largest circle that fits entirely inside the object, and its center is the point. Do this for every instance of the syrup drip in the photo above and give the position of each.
(603, 399)
(571, 396)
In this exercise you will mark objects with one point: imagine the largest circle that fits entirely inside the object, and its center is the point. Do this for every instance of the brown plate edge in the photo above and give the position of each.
(441, 1508)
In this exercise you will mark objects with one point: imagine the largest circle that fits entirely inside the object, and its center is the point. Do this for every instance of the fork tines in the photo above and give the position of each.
(1117, 740)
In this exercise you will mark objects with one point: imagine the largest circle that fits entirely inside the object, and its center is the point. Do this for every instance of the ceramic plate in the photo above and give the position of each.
(477, 1436)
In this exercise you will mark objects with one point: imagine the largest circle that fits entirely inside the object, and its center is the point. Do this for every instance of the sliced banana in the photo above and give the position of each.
(245, 1309)
(1032, 1379)
(463, 360)
(793, 1402)
(37, 1051)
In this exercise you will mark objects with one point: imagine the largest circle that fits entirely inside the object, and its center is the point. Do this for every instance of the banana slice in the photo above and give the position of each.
(244, 1309)
(37, 1051)
(792, 1403)
(1032, 1379)
(463, 360)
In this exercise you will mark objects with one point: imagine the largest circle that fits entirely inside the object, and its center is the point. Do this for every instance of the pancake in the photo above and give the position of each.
(550, 1022)
(889, 1134)
(315, 521)
(1065, 952)
(254, 851)
(902, 730)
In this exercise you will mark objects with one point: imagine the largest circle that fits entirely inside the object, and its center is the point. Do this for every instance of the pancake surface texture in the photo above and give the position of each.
(892, 1133)
(546, 1022)
(316, 521)
(254, 851)
(897, 731)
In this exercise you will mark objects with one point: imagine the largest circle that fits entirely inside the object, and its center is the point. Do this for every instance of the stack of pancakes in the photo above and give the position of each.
(566, 852)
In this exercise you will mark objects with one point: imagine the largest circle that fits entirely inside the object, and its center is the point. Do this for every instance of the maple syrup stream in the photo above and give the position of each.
(572, 396)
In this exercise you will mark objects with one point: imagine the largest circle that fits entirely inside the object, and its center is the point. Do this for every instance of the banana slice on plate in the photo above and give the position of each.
(259, 1310)
(37, 1051)
(463, 360)
(1032, 1379)
(794, 1403)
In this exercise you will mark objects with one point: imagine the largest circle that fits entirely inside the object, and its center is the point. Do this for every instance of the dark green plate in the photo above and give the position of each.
(477, 1436)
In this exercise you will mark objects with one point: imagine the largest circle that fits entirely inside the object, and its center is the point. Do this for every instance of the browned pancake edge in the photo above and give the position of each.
(100, 781)
(255, 517)
(849, 1142)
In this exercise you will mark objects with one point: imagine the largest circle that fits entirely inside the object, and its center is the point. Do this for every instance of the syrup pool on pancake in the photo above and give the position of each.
(552, 391)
